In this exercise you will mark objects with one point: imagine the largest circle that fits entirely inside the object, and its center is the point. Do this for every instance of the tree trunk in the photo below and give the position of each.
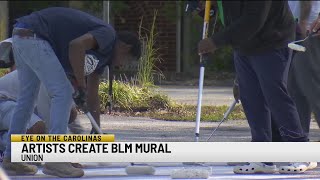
(187, 34)
(3, 20)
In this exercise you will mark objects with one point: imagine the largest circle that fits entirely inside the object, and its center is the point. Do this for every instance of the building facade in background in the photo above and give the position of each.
(172, 25)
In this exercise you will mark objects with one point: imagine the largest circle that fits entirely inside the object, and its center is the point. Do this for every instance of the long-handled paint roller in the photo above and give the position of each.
(203, 60)
(205, 171)
(191, 173)
(225, 116)
(95, 126)
(93, 122)
(297, 47)
(133, 168)
(196, 170)
(3, 175)
(109, 103)
(140, 169)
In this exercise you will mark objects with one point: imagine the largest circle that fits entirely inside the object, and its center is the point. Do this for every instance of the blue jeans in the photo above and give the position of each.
(263, 91)
(36, 62)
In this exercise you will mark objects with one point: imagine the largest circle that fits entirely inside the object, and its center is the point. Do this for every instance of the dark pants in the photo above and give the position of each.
(304, 82)
(262, 83)
(276, 137)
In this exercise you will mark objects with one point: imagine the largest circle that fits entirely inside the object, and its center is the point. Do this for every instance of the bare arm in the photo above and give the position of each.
(77, 50)
(305, 10)
(315, 26)
(93, 96)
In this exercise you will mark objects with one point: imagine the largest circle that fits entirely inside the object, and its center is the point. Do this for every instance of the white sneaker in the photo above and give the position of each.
(255, 168)
(312, 165)
(297, 168)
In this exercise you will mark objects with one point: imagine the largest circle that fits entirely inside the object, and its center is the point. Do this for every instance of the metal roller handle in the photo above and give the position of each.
(225, 116)
(94, 123)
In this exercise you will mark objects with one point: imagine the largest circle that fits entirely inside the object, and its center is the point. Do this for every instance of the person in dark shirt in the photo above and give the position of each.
(49, 46)
(259, 32)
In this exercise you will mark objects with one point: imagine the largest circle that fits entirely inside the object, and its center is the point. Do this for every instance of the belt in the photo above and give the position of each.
(23, 33)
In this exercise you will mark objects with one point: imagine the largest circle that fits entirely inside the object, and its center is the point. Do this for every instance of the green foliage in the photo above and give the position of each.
(130, 98)
(4, 72)
(96, 7)
(150, 55)
(222, 60)
(170, 11)
(127, 96)
(92, 7)
(196, 35)
(38, 5)
(180, 112)
(21, 8)
(119, 7)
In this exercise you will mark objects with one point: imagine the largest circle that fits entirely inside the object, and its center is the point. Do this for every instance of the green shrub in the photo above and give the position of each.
(221, 60)
(150, 55)
(3, 72)
(127, 96)
(131, 98)
(180, 112)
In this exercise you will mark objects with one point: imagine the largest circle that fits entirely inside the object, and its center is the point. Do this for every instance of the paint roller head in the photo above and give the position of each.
(296, 47)
(3, 175)
(192, 173)
(140, 170)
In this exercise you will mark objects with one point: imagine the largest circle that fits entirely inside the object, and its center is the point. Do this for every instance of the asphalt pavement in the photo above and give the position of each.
(212, 95)
(138, 129)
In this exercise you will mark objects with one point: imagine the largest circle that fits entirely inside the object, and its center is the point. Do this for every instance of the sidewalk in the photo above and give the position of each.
(138, 129)
(212, 95)
(116, 171)
(133, 129)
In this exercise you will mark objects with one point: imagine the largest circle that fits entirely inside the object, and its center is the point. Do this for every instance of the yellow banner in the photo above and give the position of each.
(62, 138)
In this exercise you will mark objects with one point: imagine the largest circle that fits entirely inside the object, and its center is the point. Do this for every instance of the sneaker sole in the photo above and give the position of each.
(256, 172)
(55, 173)
(292, 172)
(248, 170)
(285, 171)
(313, 165)
(15, 173)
